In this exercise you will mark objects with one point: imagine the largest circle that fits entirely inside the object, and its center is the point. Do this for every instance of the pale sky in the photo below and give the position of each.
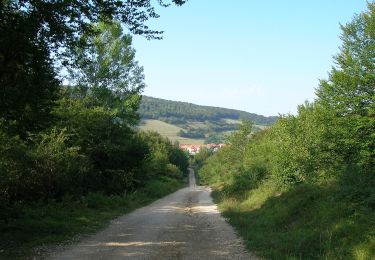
(264, 57)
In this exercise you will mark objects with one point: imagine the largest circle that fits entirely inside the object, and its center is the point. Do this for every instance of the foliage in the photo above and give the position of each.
(349, 92)
(70, 157)
(14, 166)
(214, 138)
(182, 113)
(36, 225)
(27, 77)
(201, 157)
(192, 133)
(303, 188)
(307, 222)
(213, 124)
(162, 154)
(90, 144)
(85, 152)
(60, 23)
(106, 72)
(37, 36)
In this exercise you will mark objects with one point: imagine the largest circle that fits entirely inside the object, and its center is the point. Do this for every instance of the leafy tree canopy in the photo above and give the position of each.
(36, 36)
(348, 96)
(106, 72)
(27, 78)
(63, 21)
(350, 88)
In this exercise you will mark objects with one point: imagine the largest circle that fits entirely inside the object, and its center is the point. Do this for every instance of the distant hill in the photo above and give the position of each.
(180, 112)
(189, 123)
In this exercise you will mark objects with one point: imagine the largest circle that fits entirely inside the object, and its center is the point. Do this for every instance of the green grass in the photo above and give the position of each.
(168, 130)
(44, 225)
(325, 221)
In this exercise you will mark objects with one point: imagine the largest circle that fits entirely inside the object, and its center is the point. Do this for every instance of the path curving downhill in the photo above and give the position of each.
(183, 225)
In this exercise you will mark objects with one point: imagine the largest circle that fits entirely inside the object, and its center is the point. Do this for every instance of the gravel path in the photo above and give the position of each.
(183, 225)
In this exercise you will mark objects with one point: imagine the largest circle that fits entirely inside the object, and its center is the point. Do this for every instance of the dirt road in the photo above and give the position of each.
(183, 225)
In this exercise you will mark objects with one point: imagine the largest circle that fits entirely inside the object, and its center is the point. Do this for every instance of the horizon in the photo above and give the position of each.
(246, 61)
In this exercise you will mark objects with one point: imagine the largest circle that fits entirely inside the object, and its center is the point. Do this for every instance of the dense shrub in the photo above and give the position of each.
(310, 177)
(87, 150)
(15, 164)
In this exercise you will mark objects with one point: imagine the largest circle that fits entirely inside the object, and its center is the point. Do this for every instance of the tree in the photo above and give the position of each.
(36, 35)
(350, 87)
(101, 106)
(348, 96)
(106, 72)
(27, 77)
(62, 22)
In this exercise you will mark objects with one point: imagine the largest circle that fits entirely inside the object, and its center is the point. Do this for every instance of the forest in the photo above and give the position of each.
(212, 124)
(305, 187)
(177, 112)
(69, 149)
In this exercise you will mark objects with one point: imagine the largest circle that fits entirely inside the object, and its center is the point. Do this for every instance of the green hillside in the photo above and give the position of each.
(167, 130)
(190, 123)
(181, 112)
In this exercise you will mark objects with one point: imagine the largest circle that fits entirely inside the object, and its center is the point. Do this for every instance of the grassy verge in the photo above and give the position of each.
(36, 227)
(328, 221)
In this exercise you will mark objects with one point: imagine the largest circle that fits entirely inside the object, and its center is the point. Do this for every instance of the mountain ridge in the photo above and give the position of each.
(180, 112)
(188, 123)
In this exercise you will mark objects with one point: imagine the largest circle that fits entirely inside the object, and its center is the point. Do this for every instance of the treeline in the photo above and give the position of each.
(58, 141)
(304, 188)
(192, 133)
(181, 112)
(214, 132)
